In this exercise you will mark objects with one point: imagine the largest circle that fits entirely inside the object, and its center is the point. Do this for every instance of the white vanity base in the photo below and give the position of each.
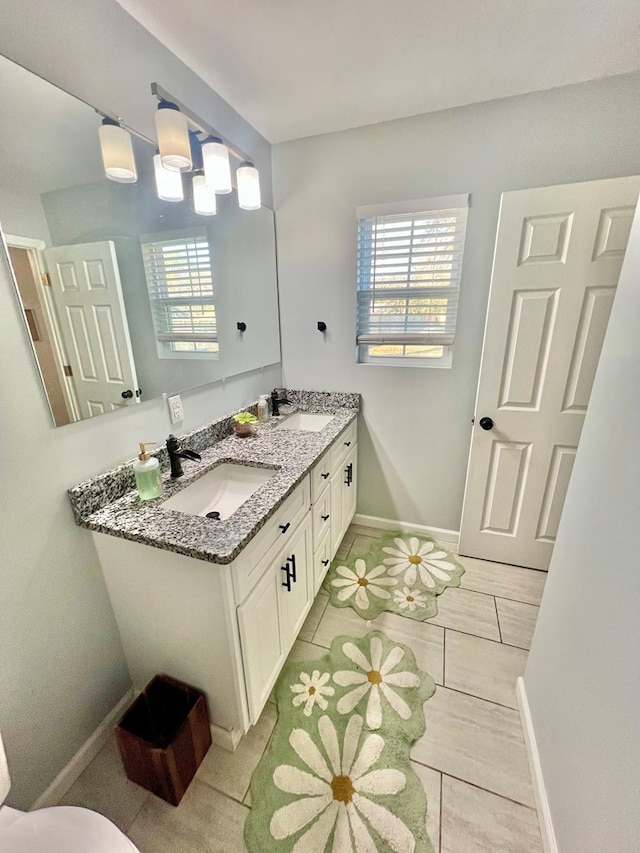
(228, 629)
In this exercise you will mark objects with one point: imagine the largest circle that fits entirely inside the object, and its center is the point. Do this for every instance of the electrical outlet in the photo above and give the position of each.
(175, 409)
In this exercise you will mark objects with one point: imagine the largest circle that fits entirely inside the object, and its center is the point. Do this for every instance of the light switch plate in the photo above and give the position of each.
(175, 409)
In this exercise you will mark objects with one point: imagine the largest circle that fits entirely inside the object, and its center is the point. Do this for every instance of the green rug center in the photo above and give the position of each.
(415, 560)
(363, 582)
(342, 789)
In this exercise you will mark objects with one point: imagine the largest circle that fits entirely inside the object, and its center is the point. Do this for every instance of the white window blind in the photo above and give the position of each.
(181, 292)
(409, 268)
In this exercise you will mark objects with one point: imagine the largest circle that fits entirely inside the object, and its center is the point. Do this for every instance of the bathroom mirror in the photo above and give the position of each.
(89, 258)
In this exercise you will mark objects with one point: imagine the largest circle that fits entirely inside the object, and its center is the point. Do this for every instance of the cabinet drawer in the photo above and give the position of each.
(321, 513)
(320, 476)
(343, 444)
(321, 560)
(249, 566)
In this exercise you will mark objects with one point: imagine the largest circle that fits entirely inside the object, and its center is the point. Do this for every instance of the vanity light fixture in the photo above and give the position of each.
(168, 182)
(248, 183)
(117, 152)
(204, 198)
(217, 170)
(173, 137)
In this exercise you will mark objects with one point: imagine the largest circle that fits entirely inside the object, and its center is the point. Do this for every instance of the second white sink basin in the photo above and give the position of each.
(306, 421)
(221, 490)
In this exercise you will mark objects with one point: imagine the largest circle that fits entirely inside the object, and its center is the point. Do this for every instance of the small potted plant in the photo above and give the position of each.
(244, 423)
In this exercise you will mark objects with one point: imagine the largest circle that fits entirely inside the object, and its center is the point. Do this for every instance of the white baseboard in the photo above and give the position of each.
(451, 537)
(226, 738)
(539, 790)
(83, 757)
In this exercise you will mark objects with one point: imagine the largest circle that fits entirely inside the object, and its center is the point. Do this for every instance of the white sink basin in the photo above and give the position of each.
(306, 421)
(222, 490)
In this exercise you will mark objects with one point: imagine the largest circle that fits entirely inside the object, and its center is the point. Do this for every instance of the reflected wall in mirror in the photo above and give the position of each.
(125, 297)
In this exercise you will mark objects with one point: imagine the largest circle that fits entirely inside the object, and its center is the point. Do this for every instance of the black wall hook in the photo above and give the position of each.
(322, 326)
(242, 327)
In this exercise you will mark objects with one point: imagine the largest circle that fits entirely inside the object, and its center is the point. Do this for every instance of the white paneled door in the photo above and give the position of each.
(556, 266)
(93, 323)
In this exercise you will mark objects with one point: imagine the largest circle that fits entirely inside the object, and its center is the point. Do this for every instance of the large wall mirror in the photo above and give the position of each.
(91, 260)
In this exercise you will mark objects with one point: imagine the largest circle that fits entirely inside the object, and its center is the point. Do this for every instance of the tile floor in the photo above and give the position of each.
(471, 759)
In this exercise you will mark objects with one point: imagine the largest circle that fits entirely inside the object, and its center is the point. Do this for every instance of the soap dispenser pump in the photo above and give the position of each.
(147, 471)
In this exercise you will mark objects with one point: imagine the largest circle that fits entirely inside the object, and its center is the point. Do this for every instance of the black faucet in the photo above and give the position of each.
(176, 454)
(276, 401)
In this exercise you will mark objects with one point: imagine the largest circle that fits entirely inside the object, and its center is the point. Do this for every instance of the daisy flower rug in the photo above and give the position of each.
(401, 572)
(336, 776)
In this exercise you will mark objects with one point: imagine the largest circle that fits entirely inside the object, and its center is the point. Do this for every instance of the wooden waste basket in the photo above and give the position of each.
(164, 736)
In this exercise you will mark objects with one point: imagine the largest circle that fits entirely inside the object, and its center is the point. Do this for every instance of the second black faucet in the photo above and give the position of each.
(276, 401)
(176, 454)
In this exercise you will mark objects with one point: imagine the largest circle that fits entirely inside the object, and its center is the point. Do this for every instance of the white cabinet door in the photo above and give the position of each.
(337, 525)
(296, 585)
(344, 491)
(271, 616)
(321, 516)
(261, 637)
(349, 473)
(321, 560)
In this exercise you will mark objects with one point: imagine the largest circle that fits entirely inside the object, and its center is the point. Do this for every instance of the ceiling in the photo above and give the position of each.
(296, 68)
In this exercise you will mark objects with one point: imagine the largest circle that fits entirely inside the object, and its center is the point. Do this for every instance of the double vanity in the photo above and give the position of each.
(239, 548)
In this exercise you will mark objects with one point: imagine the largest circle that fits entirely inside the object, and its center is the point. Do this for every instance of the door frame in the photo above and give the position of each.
(35, 249)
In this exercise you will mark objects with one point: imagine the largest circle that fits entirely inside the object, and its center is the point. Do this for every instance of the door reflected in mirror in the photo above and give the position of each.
(125, 296)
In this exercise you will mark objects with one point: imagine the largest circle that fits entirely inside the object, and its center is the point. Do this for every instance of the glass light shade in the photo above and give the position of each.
(173, 139)
(117, 153)
(204, 198)
(168, 183)
(248, 182)
(217, 170)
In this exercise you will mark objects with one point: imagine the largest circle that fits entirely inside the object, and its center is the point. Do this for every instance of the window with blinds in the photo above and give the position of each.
(409, 269)
(181, 294)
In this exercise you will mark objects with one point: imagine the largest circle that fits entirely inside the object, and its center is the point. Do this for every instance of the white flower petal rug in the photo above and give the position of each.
(401, 572)
(336, 776)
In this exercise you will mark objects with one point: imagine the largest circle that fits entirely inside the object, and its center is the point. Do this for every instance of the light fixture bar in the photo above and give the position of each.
(126, 127)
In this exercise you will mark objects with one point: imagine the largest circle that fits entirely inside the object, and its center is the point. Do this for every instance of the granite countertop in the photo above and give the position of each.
(291, 453)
